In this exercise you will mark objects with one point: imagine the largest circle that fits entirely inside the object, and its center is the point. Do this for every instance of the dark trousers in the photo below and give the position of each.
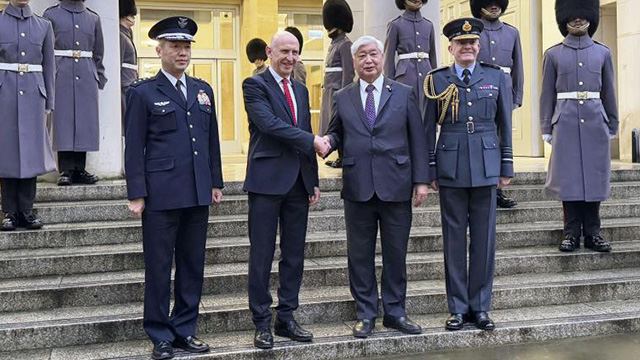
(169, 234)
(581, 218)
(469, 289)
(18, 195)
(291, 212)
(71, 161)
(362, 220)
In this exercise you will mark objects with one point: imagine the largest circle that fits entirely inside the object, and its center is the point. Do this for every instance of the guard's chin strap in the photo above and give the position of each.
(582, 28)
(449, 97)
(490, 14)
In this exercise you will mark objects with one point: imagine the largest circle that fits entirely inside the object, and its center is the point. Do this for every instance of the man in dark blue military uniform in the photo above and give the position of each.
(173, 166)
(472, 103)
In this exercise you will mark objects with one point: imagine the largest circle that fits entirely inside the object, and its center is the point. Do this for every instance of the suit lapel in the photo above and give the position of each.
(192, 92)
(269, 79)
(165, 87)
(385, 94)
(297, 91)
(478, 74)
(354, 94)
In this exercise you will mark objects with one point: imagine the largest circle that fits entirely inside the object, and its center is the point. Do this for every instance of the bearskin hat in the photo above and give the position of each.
(256, 50)
(337, 14)
(477, 5)
(128, 8)
(568, 10)
(400, 3)
(296, 32)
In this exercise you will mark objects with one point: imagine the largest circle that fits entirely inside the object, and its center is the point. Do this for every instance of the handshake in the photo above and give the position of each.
(322, 146)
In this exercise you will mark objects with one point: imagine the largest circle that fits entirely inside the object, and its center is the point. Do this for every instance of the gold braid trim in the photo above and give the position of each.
(449, 97)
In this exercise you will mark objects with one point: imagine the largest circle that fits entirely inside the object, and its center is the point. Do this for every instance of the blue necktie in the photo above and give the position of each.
(370, 106)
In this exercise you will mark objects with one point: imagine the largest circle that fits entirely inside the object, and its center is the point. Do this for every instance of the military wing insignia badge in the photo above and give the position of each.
(162, 103)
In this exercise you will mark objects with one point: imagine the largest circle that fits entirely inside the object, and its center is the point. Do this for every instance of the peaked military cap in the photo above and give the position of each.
(296, 32)
(127, 8)
(400, 3)
(256, 50)
(477, 5)
(336, 14)
(568, 10)
(463, 28)
(177, 28)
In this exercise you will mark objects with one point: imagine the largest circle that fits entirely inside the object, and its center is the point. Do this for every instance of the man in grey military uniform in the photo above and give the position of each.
(500, 45)
(257, 55)
(27, 73)
(472, 102)
(128, 52)
(79, 50)
(579, 115)
(338, 72)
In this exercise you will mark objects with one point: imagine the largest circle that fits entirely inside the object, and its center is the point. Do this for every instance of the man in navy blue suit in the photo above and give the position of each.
(173, 166)
(282, 181)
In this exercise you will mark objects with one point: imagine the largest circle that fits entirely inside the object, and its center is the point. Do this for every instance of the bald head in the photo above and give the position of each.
(283, 53)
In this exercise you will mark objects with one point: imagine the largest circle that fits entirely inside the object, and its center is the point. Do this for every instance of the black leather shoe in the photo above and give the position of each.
(65, 179)
(570, 244)
(334, 164)
(292, 330)
(482, 321)
(10, 222)
(191, 344)
(263, 339)
(454, 322)
(83, 177)
(363, 328)
(596, 243)
(505, 202)
(30, 221)
(402, 323)
(162, 350)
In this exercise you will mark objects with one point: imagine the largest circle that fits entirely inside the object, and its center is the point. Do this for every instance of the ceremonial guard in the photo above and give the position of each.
(128, 52)
(79, 50)
(579, 115)
(173, 166)
(411, 40)
(500, 45)
(472, 103)
(299, 72)
(27, 71)
(257, 55)
(338, 72)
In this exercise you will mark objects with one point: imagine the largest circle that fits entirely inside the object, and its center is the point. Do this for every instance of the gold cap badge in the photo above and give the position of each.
(466, 27)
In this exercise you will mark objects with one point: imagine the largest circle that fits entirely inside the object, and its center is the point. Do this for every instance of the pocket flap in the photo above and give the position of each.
(205, 108)
(604, 114)
(489, 142)
(348, 161)
(267, 154)
(555, 118)
(42, 89)
(163, 110)
(448, 144)
(402, 159)
(490, 94)
(160, 164)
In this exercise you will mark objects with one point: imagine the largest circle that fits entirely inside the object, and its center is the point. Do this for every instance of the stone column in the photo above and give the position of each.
(106, 163)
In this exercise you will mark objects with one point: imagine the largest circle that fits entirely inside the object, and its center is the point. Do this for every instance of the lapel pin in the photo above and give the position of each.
(388, 87)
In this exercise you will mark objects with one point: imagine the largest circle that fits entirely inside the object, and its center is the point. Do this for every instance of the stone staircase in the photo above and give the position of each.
(74, 289)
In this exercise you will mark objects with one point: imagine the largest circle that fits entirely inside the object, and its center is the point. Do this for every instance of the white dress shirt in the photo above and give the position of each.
(293, 95)
(378, 84)
(173, 81)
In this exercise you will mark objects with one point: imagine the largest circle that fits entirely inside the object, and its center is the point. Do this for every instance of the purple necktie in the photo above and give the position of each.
(370, 106)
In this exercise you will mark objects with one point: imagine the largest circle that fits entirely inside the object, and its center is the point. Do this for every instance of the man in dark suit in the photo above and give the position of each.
(282, 181)
(378, 123)
(173, 166)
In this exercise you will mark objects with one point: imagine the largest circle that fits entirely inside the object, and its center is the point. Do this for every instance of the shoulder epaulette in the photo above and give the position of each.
(599, 43)
(490, 65)
(141, 81)
(396, 18)
(509, 25)
(51, 7)
(439, 69)
(199, 79)
(551, 47)
(91, 11)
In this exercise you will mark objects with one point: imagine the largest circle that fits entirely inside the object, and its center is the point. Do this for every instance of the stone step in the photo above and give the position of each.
(118, 287)
(117, 210)
(333, 341)
(114, 232)
(229, 312)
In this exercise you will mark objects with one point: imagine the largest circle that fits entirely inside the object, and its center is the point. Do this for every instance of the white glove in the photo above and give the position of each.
(547, 138)
(612, 136)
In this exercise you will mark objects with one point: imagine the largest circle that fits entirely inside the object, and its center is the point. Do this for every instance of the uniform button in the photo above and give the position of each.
(469, 103)
(76, 60)
(23, 34)
(77, 77)
(582, 121)
(190, 126)
(163, 110)
(580, 63)
(78, 43)
(417, 32)
(418, 46)
(77, 26)
(195, 153)
(21, 92)
(581, 102)
(188, 113)
(23, 53)
(21, 73)
(470, 118)
(419, 60)
(493, 42)
(581, 83)
(493, 58)
(490, 94)
(419, 74)
(468, 90)
(193, 139)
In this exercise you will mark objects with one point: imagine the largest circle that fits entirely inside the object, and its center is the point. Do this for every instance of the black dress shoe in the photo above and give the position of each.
(482, 321)
(66, 178)
(191, 344)
(454, 322)
(596, 243)
(336, 164)
(162, 350)
(402, 323)
(292, 330)
(263, 339)
(505, 202)
(363, 328)
(83, 177)
(570, 244)
(10, 222)
(30, 221)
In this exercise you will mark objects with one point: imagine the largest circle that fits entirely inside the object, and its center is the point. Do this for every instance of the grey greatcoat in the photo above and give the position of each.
(410, 33)
(338, 58)
(75, 121)
(580, 165)
(128, 57)
(25, 38)
(500, 45)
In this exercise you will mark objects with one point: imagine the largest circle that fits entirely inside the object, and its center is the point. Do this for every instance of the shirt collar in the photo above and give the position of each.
(19, 12)
(460, 69)
(73, 6)
(492, 25)
(278, 77)
(174, 80)
(378, 83)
